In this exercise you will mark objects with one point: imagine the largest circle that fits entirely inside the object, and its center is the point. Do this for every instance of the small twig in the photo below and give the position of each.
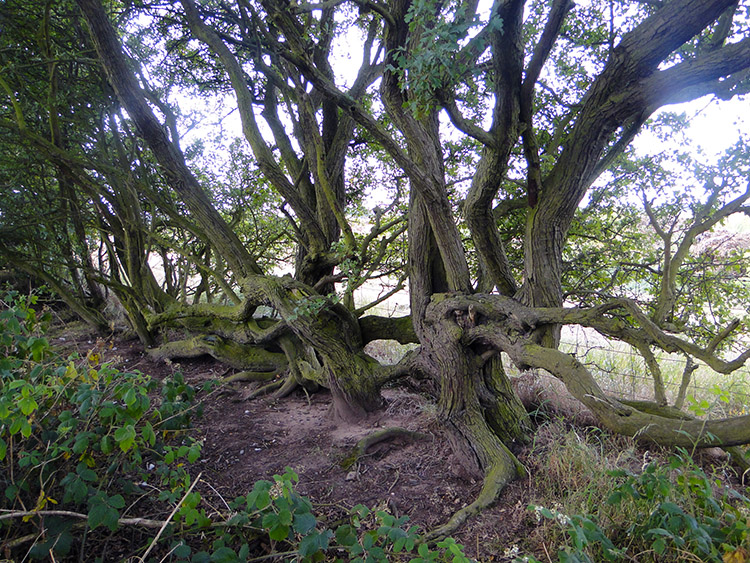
(394, 482)
(210, 486)
(171, 514)
(546, 552)
(144, 522)
(169, 553)
(20, 541)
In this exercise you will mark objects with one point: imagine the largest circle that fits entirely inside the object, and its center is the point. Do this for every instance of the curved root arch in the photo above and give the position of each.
(509, 327)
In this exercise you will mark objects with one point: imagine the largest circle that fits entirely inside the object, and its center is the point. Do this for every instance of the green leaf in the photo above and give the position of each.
(85, 473)
(671, 508)
(125, 437)
(81, 444)
(15, 426)
(314, 543)
(279, 532)
(345, 535)
(101, 514)
(659, 546)
(4, 409)
(116, 501)
(129, 397)
(263, 500)
(270, 520)
(304, 522)
(25, 428)
(285, 517)
(224, 555)
(190, 515)
(181, 550)
(38, 346)
(368, 540)
(27, 405)
(3, 449)
(192, 500)
(106, 444)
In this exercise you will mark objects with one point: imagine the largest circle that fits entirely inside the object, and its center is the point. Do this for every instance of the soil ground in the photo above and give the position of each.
(247, 440)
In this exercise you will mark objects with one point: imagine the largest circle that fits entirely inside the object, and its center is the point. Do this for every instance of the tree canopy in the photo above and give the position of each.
(495, 138)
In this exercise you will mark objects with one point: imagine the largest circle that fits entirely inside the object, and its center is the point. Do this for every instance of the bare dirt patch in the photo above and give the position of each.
(247, 440)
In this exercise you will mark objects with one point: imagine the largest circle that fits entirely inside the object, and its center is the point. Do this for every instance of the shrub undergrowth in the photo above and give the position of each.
(94, 466)
(603, 505)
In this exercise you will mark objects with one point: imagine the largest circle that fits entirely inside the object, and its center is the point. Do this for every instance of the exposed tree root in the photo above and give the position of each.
(735, 452)
(265, 390)
(552, 395)
(376, 437)
(289, 384)
(738, 457)
(497, 477)
(252, 376)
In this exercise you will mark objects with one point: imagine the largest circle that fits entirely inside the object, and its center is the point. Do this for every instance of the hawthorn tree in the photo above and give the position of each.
(493, 125)
(85, 209)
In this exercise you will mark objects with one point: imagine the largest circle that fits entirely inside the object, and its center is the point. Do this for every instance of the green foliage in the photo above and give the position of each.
(81, 437)
(87, 439)
(667, 512)
(637, 228)
(21, 332)
(367, 537)
(310, 306)
(431, 61)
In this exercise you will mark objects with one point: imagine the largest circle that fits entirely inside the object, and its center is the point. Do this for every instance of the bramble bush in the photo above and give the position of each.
(86, 450)
(668, 512)
(81, 445)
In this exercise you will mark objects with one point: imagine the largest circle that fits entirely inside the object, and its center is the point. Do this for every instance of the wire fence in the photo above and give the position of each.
(622, 372)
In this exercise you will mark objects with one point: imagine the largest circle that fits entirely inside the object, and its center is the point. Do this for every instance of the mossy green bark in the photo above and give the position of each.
(333, 333)
(238, 356)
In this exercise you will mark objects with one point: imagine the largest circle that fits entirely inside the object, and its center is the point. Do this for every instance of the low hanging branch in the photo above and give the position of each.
(507, 326)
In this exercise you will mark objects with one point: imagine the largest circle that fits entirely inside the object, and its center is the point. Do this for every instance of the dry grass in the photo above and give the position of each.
(570, 472)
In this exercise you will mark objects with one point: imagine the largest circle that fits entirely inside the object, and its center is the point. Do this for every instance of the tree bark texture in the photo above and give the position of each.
(169, 157)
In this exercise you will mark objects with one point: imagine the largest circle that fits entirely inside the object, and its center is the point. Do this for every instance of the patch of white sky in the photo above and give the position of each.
(714, 126)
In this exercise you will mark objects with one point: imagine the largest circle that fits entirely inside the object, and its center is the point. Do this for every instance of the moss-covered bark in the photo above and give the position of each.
(471, 386)
(400, 329)
(239, 356)
(334, 335)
